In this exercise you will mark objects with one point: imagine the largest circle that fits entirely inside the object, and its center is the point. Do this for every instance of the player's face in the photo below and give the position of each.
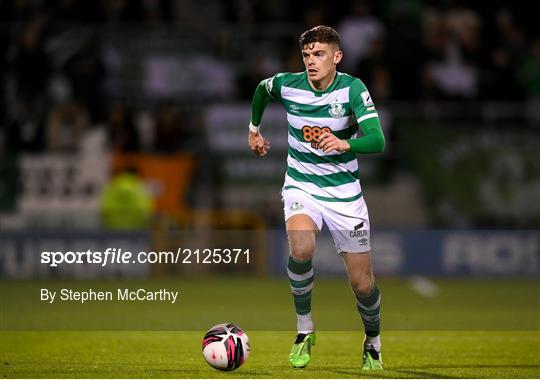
(320, 60)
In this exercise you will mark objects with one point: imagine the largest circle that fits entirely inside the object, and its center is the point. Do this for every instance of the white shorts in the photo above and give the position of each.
(348, 222)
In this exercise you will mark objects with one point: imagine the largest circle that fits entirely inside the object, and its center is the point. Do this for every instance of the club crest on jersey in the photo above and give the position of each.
(336, 110)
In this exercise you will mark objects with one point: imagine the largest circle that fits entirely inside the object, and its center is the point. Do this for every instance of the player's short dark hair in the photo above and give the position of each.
(322, 34)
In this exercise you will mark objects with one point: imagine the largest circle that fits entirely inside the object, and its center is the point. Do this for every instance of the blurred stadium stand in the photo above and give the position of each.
(89, 87)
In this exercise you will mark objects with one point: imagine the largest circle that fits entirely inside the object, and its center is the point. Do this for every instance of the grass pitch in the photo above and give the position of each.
(465, 329)
(412, 354)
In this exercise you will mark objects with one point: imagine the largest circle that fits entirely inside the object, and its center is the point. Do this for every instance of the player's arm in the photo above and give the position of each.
(372, 140)
(258, 144)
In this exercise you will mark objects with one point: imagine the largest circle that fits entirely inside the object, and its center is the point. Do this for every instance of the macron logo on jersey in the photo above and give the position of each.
(366, 98)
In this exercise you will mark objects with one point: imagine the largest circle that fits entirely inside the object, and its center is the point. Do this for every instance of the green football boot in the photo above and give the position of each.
(372, 360)
(301, 350)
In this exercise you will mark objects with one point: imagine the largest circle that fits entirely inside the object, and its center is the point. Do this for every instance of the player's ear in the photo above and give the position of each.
(338, 55)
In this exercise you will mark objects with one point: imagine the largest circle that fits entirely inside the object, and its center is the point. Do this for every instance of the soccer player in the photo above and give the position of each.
(331, 117)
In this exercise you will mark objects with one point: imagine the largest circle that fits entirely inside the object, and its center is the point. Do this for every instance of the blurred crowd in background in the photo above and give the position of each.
(143, 72)
(58, 66)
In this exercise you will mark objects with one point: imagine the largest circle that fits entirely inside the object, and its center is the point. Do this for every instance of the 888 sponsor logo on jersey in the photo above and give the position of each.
(311, 134)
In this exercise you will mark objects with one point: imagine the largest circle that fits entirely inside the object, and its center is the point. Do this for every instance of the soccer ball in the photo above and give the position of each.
(225, 347)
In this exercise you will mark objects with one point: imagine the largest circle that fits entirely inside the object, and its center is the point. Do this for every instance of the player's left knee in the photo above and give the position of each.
(363, 287)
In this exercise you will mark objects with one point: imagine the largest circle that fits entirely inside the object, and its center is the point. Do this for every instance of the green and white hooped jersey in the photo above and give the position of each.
(330, 177)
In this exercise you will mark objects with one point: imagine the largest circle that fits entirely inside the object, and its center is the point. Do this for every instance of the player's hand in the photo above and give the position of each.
(329, 142)
(258, 144)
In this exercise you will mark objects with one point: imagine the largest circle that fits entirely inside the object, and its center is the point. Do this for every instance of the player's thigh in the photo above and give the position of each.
(360, 271)
(302, 232)
(303, 220)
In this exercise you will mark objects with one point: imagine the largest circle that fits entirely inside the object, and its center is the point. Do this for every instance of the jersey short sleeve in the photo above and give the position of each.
(361, 103)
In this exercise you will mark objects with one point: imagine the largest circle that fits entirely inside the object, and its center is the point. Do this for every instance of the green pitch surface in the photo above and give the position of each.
(446, 328)
(410, 354)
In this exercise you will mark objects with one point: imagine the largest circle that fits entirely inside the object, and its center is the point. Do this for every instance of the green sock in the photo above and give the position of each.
(301, 279)
(370, 310)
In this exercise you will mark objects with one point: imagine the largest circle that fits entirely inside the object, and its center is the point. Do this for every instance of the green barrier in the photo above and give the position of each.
(477, 176)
